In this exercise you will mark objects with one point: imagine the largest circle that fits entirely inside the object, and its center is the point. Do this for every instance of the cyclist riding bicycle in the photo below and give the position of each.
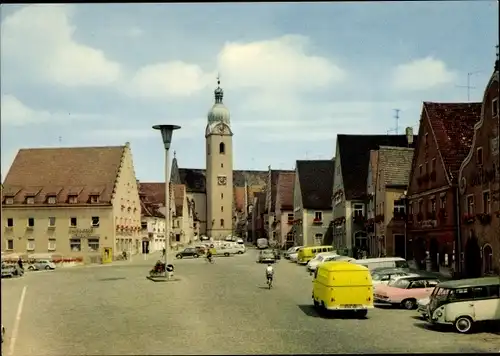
(269, 272)
(210, 252)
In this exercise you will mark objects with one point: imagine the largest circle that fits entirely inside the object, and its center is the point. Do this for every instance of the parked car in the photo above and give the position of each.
(323, 257)
(266, 256)
(202, 249)
(373, 263)
(384, 277)
(293, 257)
(291, 250)
(11, 270)
(262, 244)
(188, 252)
(405, 291)
(41, 265)
(240, 241)
(227, 249)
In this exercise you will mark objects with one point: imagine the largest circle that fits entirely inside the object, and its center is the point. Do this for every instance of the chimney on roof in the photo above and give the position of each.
(409, 135)
(127, 144)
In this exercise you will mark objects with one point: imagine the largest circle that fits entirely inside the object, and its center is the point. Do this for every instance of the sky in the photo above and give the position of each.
(294, 74)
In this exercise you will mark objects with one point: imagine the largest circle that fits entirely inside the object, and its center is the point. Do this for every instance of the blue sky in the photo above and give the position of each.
(294, 75)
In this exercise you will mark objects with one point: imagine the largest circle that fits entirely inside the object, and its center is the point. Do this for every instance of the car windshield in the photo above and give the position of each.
(319, 258)
(400, 283)
(377, 277)
(440, 293)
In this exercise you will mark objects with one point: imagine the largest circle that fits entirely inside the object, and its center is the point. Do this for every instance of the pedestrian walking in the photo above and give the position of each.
(20, 263)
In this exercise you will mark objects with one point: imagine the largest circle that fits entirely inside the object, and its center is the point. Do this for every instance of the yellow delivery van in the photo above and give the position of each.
(307, 253)
(341, 285)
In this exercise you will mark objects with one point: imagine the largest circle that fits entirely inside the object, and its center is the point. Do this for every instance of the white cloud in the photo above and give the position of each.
(280, 64)
(168, 79)
(135, 32)
(39, 38)
(422, 74)
(16, 113)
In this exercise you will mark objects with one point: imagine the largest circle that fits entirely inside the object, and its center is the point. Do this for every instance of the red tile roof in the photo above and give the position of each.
(153, 194)
(286, 183)
(61, 172)
(453, 127)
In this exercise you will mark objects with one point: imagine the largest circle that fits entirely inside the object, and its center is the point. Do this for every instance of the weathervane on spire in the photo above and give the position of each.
(218, 79)
(219, 93)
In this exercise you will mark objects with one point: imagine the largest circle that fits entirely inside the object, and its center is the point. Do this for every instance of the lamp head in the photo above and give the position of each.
(166, 133)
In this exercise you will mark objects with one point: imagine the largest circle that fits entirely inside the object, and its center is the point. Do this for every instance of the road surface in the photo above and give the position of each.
(221, 308)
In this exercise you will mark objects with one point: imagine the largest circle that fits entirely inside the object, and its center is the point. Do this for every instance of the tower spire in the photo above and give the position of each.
(219, 93)
(497, 64)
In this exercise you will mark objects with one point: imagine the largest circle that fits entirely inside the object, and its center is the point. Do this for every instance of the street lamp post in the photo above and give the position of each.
(166, 135)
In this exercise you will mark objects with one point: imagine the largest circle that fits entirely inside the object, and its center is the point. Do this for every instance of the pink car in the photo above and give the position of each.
(405, 291)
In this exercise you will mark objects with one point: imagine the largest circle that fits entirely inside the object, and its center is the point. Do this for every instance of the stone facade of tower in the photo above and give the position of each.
(219, 170)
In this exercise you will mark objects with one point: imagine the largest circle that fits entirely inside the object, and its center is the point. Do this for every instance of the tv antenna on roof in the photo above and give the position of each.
(468, 86)
(396, 116)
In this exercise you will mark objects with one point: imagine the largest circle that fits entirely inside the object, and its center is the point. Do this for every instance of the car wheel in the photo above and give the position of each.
(361, 313)
(195, 256)
(47, 268)
(240, 252)
(226, 254)
(178, 256)
(463, 324)
(409, 304)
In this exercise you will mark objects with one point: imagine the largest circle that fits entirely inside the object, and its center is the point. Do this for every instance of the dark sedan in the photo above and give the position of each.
(188, 252)
(266, 256)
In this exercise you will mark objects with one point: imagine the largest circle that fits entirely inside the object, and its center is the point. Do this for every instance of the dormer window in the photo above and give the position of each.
(494, 107)
(51, 199)
(480, 156)
(30, 200)
(9, 200)
(94, 199)
(73, 199)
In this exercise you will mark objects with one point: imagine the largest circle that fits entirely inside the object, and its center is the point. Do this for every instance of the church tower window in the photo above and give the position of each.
(222, 148)
(221, 222)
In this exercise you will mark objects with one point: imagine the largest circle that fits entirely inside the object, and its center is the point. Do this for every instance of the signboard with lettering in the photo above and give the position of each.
(79, 233)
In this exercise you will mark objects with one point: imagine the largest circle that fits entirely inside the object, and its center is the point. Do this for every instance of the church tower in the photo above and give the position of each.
(219, 158)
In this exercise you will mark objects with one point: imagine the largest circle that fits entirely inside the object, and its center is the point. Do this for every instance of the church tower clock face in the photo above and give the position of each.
(222, 180)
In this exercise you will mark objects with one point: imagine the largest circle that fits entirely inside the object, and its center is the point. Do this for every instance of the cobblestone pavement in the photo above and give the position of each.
(221, 308)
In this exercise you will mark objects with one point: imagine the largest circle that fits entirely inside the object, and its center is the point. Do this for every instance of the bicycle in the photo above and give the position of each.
(269, 281)
(210, 260)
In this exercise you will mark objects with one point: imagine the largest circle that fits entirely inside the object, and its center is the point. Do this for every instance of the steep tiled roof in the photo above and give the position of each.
(193, 179)
(239, 198)
(64, 171)
(316, 183)
(179, 196)
(395, 165)
(354, 154)
(252, 177)
(286, 181)
(274, 184)
(453, 126)
(154, 193)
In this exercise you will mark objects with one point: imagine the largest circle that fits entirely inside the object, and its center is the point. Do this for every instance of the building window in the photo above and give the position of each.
(494, 107)
(30, 200)
(95, 221)
(52, 221)
(52, 245)
(93, 245)
(443, 201)
(470, 204)
(221, 222)
(222, 165)
(486, 202)
(318, 215)
(318, 238)
(75, 245)
(221, 209)
(10, 222)
(290, 217)
(433, 165)
(222, 148)
(433, 205)
(94, 199)
(479, 153)
(426, 139)
(420, 169)
(289, 236)
(51, 200)
(358, 210)
(208, 149)
(222, 195)
(10, 244)
(488, 259)
(399, 207)
(73, 222)
(31, 222)
(30, 246)
(177, 237)
(73, 199)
